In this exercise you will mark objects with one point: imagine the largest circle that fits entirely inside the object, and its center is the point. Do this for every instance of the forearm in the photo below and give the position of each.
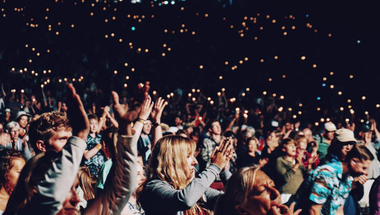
(88, 154)
(122, 181)
(59, 179)
(113, 121)
(157, 134)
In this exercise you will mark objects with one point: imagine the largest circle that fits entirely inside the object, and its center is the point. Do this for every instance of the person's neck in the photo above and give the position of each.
(345, 168)
(3, 193)
(93, 134)
(216, 137)
(252, 154)
(273, 146)
(328, 141)
(289, 158)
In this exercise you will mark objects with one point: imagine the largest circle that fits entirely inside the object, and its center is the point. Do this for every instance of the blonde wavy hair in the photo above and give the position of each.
(168, 162)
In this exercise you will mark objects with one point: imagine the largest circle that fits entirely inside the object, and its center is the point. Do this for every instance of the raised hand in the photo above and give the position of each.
(76, 114)
(146, 108)
(222, 154)
(158, 109)
(124, 113)
(283, 209)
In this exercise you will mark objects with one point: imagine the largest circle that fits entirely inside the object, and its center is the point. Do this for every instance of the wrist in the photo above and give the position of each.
(140, 119)
(156, 124)
(98, 146)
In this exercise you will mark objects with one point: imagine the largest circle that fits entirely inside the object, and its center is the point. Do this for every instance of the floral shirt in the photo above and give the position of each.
(96, 162)
(326, 186)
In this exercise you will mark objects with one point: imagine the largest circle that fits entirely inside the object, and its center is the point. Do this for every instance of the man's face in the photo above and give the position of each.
(23, 121)
(359, 167)
(93, 125)
(178, 121)
(59, 139)
(216, 128)
(330, 135)
(15, 132)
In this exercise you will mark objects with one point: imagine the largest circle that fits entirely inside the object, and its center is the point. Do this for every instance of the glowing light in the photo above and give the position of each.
(340, 93)
(348, 100)
(220, 77)
(363, 98)
(264, 93)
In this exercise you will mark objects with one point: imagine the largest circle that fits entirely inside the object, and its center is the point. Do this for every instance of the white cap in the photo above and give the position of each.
(329, 126)
(345, 135)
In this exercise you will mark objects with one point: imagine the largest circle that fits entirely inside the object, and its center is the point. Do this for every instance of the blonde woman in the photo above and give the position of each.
(171, 186)
(250, 191)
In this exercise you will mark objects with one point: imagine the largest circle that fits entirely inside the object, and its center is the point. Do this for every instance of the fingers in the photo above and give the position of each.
(115, 98)
(298, 212)
(292, 206)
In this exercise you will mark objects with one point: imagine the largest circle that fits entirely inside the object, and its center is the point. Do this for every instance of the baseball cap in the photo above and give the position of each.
(329, 126)
(345, 135)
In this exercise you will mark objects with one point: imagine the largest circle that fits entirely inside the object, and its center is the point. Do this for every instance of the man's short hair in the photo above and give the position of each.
(43, 127)
(92, 116)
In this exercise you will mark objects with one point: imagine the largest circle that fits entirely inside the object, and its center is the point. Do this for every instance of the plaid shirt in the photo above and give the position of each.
(208, 147)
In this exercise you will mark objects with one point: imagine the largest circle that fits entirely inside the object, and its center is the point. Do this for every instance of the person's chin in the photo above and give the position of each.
(71, 211)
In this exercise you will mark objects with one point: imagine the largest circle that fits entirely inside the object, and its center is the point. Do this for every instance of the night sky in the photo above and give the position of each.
(319, 54)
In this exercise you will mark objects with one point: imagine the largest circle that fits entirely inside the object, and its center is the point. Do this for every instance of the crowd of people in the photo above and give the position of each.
(142, 155)
(76, 136)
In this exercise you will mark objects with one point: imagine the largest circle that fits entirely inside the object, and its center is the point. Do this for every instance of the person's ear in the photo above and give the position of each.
(354, 161)
(240, 210)
(41, 145)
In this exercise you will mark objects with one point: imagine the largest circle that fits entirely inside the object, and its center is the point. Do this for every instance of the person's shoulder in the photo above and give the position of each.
(330, 169)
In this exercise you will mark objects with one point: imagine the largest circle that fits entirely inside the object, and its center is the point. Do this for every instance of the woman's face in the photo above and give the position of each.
(345, 149)
(263, 196)
(252, 146)
(14, 172)
(71, 201)
(191, 162)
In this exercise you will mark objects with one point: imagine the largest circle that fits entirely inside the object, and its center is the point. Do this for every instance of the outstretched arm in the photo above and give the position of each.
(58, 180)
(122, 181)
(156, 115)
